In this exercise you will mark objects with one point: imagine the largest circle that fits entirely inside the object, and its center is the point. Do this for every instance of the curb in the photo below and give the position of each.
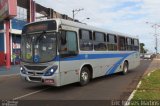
(156, 59)
(134, 91)
(132, 94)
(9, 75)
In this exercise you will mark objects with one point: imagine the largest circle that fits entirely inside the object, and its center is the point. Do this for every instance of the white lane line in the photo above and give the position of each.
(9, 75)
(30, 94)
(148, 74)
(132, 94)
(139, 84)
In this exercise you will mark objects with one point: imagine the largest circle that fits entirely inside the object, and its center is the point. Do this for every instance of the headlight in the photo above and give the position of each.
(23, 71)
(51, 71)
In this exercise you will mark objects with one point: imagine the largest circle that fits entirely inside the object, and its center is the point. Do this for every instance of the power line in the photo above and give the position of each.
(76, 11)
(155, 26)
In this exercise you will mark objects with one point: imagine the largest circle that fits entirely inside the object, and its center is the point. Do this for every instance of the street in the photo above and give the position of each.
(117, 87)
(58, 42)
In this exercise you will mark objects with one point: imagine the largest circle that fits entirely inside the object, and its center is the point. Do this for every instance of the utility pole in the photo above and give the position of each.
(76, 12)
(155, 26)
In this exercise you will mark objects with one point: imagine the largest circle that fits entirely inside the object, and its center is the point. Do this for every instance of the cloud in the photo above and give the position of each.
(132, 5)
(125, 16)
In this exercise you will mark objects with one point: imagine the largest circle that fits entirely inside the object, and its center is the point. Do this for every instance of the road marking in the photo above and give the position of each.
(139, 84)
(134, 91)
(132, 94)
(30, 94)
(146, 59)
(148, 74)
(9, 75)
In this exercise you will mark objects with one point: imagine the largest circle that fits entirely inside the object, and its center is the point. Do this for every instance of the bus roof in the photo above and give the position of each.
(85, 26)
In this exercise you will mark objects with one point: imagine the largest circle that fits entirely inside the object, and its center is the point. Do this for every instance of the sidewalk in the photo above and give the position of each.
(155, 64)
(13, 70)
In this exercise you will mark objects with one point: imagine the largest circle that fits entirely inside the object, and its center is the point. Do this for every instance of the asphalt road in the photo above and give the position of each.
(113, 87)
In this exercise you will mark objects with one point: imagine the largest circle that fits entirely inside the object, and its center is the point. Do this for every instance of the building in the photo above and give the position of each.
(14, 14)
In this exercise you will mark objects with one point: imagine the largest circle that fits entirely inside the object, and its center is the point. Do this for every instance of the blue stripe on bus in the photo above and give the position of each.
(117, 64)
(93, 56)
(112, 70)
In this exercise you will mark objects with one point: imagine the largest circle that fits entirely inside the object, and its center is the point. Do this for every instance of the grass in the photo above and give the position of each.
(149, 88)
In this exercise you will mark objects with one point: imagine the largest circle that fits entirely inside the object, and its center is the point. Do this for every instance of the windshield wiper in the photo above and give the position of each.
(40, 36)
(28, 38)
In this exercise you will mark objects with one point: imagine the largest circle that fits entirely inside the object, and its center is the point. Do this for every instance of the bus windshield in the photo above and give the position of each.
(40, 47)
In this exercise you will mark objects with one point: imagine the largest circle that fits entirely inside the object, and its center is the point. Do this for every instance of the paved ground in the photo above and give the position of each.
(105, 88)
(13, 70)
(155, 65)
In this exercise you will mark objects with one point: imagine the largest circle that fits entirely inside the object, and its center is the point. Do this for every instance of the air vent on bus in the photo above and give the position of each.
(37, 68)
(35, 79)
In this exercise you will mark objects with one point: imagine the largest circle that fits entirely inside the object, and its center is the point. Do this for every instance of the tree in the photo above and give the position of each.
(142, 49)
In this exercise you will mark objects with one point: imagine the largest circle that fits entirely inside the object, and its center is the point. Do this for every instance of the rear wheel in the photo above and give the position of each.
(125, 68)
(84, 76)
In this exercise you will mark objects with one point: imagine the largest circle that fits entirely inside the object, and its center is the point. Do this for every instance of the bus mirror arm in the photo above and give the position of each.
(58, 41)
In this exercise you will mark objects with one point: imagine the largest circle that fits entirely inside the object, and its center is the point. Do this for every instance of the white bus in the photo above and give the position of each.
(58, 52)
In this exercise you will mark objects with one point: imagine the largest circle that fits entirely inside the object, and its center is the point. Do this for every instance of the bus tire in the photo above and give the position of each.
(125, 68)
(85, 76)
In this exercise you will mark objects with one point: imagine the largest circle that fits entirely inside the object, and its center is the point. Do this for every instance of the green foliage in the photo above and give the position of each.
(142, 49)
(150, 87)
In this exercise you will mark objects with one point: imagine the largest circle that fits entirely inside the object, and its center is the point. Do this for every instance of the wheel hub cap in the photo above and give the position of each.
(85, 76)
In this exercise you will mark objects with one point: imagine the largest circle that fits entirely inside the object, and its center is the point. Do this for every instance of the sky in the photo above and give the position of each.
(125, 16)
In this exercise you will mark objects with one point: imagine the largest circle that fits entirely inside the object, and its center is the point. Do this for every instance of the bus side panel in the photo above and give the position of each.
(117, 65)
(69, 68)
(136, 60)
(133, 61)
(101, 66)
(69, 71)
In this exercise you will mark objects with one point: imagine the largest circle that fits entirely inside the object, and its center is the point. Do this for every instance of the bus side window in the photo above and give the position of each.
(122, 43)
(86, 43)
(68, 45)
(129, 44)
(99, 41)
(136, 45)
(112, 42)
(132, 42)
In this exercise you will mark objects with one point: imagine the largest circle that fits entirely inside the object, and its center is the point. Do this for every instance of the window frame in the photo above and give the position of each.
(90, 38)
(121, 37)
(114, 45)
(114, 36)
(68, 55)
(129, 46)
(104, 40)
(136, 47)
(136, 41)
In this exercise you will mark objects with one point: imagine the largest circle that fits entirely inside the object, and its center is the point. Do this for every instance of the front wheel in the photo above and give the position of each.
(125, 68)
(84, 76)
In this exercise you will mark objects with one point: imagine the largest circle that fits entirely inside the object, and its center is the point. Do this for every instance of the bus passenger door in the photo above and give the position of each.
(68, 53)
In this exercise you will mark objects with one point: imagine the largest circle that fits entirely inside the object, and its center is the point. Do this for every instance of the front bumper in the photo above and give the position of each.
(47, 80)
